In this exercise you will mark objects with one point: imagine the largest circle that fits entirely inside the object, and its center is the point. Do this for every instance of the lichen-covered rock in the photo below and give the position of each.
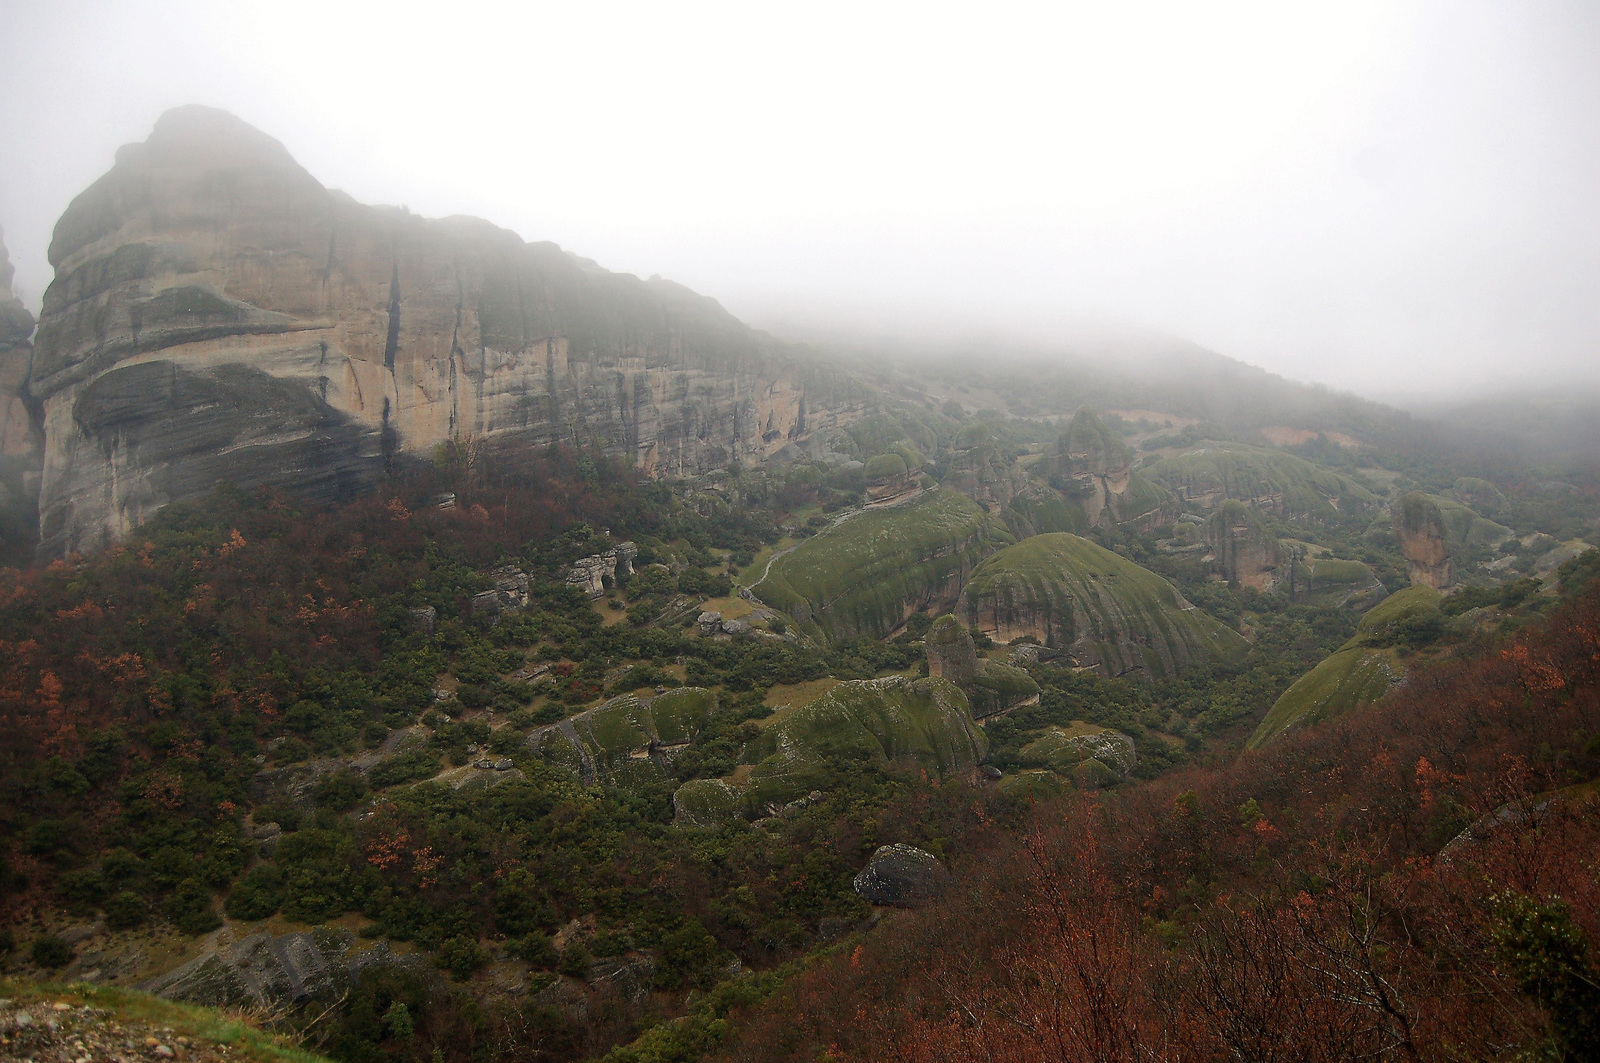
(951, 652)
(264, 971)
(217, 314)
(1100, 608)
(1242, 548)
(1065, 750)
(902, 876)
(1424, 541)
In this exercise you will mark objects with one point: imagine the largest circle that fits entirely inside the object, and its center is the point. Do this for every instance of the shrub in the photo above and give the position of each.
(50, 951)
(127, 909)
(460, 956)
(258, 894)
(575, 961)
(189, 908)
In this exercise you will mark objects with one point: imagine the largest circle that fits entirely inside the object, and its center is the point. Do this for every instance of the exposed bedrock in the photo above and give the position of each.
(1424, 540)
(252, 295)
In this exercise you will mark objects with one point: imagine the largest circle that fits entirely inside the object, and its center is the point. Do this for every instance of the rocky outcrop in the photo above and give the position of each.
(21, 440)
(990, 687)
(1093, 467)
(902, 876)
(979, 470)
(591, 574)
(509, 593)
(1100, 608)
(1424, 541)
(1091, 756)
(266, 971)
(888, 477)
(951, 652)
(1243, 551)
(217, 314)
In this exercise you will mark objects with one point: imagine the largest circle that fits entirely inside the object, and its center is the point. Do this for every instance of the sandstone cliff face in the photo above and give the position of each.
(21, 442)
(18, 435)
(218, 314)
(980, 471)
(1242, 549)
(1093, 467)
(1424, 540)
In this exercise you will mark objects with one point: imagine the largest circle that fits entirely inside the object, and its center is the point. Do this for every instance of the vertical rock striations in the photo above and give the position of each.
(217, 314)
(1424, 540)
(1242, 549)
(21, 441)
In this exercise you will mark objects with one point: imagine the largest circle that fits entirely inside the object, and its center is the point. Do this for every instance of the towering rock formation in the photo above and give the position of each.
(219, 314)
(1424, 540)
(979, 470)
(1094, 467)
(1098, 607)
(20, 439)
(1242, 549)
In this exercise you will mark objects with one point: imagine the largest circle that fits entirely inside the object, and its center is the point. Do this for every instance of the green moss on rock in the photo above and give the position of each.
(1100, 607)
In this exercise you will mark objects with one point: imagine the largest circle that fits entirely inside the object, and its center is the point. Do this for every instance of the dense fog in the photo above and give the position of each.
(1392, 198)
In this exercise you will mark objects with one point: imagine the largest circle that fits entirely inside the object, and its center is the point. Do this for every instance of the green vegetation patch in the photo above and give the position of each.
(1268, 478)
(627, 727)
(872, 722)
(1361, 671)
(861, 577)
(1103, 609)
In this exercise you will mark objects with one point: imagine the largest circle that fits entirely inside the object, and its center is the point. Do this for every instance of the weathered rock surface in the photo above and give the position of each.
(1424, 541)
(19, 437)
(589, 574)
(951, 652)
(21, 440)
(1094, 467)
(217, 314)
(990, 687)
(1242, 549)
(267, 971)
(1103, 610)
(979, 470)
(903, 876)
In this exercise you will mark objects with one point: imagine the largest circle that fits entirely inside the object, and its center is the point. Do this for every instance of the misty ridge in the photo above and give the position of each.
(844, 534)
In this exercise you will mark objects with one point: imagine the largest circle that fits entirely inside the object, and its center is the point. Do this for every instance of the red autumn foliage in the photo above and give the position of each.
(1305, 902)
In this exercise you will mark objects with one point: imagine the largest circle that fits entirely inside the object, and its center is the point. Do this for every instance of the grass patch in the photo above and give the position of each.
(213, 1025)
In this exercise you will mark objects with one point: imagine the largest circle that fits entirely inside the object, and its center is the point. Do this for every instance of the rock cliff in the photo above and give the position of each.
(1424, 540)
(1093, 467)
(217, 314)
(21, 442)
(1243, 550)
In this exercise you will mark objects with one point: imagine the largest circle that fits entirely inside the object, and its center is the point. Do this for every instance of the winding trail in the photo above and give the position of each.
(848, 514)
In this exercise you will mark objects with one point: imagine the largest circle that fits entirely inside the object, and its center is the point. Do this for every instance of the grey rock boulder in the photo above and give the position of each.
(902, 876)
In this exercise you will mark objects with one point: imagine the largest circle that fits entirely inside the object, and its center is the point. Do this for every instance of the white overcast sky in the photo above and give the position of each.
(1395, 198)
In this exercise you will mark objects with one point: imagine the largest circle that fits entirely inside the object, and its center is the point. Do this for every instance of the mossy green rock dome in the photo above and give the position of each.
(1100, 607)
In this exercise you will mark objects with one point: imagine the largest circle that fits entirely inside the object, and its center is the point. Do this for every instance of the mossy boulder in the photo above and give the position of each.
(864, 576)
(1065, 750)
(1269, 481)
(1360, 672)
(1102, 609)
(902, 876)
(923, 723)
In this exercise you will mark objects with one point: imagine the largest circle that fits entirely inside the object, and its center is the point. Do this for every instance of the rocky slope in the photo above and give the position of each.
(923, 721)
(1094, 467)
(866, 575)
(1269, 481)
(1103, 610)
(218, 314)
(1358, 674)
